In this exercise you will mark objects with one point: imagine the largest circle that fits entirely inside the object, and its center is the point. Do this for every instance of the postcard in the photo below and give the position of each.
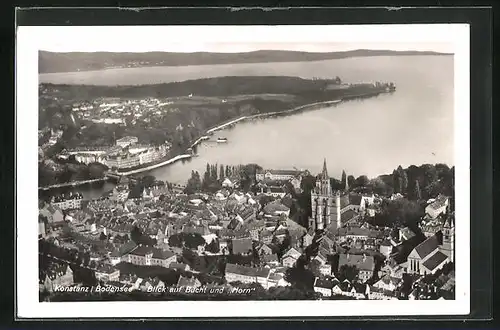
(242, 171)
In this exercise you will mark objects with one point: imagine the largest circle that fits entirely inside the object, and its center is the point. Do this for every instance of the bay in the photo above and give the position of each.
(373, 136)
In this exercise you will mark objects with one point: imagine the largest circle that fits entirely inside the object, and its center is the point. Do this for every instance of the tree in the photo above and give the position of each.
(139, 238)
(285, 244)
(379, 187)
(194, 183)
(175, 240)
(351, 180)
(401, 180)
(265, 199)
(221, 175)
(96, 170)
(343, 180)
(336, 184)
(189, 257)
(307, 184)
(404, 182)
(228, 171)
(399, 212)
(348, 272)
(314, 266)
(417, 193)
(300, 277)
(193, 240)
(396, 183)
(136, 235)
(148, 180)
(362, 181)
(213, 247)
(213, 172)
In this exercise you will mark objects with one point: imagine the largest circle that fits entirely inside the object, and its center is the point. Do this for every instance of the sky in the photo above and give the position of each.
(439, 38)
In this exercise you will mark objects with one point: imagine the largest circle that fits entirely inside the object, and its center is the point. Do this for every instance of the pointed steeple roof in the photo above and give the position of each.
(324, 173)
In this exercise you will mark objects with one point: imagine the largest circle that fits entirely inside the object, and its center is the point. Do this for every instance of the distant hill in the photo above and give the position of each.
(50, 62)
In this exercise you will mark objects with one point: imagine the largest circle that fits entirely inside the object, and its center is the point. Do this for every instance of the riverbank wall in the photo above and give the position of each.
(73, 184)
(152, 167)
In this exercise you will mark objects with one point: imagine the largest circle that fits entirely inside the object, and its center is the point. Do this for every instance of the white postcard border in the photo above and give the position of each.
(29, 40)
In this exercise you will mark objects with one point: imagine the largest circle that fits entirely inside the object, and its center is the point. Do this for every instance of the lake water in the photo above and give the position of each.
(414, 125)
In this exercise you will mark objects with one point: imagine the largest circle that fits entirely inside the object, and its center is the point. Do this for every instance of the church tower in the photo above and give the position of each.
(336, 210)
(323, 202)
(323, 182)
(448, 247)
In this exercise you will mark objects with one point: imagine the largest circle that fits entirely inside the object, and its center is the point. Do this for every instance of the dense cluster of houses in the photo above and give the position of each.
(240, 224)
(113, 111)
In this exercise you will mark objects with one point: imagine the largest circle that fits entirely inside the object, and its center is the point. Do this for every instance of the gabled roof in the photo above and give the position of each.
(293, 252)
(264, 246)
(275, 206)
(280, 172)
(344, 286)
(177, 265)
(387, 279)
(347, 215)
(435, 260)
(162, 254)
(53, 209)
(324, 284)
(360, 261)
(141, 251)
(407, 232)
(270, 257)
(248, 271)
(439, 202)
(427, 247)
(189, 282)
(233, 224)
(242, 245)
(106, 269)
(258, 224)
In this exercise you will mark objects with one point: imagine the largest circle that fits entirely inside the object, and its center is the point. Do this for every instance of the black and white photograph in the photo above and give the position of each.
(194, 171)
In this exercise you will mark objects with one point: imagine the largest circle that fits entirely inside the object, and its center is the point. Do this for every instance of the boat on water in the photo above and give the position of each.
(221, 140)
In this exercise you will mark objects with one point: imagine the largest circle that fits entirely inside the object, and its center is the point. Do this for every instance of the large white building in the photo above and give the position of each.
(70, 202)
(122, 160)
(438, 207)
(245, 274)
(127, 141)
(277, 175)
(142, 156)
(365, 264)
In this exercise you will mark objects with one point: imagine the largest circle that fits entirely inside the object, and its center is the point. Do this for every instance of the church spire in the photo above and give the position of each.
(325, 171)
(346, 184)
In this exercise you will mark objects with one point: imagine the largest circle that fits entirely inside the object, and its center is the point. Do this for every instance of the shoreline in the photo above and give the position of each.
(152, 167)
(73, 184)
(305, 107)
(265, 115)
